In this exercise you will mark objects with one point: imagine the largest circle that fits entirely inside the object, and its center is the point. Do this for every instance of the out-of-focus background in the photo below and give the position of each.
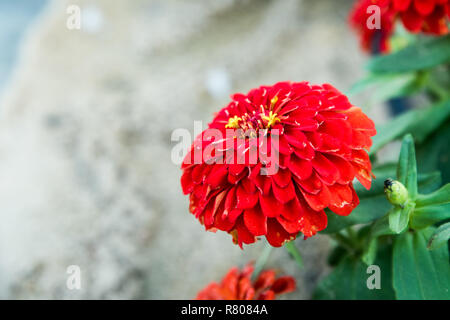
(86, 118)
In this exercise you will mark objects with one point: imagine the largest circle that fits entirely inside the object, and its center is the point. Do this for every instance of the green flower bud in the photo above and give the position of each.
(396, 192)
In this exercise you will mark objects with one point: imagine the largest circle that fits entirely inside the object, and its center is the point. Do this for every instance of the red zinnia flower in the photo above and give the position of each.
(427, 16)
(321, 140)
(237, 285)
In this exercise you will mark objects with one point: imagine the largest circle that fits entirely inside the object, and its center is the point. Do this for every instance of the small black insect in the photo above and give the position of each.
(388, 184)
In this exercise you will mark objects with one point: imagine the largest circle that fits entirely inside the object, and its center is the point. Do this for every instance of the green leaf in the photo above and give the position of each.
(434, 153)
(349, 279)
(292, 249)
(399, 217)
(400, 86)
(419, 122)
(369, 209)
(336, 255)
(418, 56)
(429, 215)
(373, 203)
(440, 236)
(381, 227)
(370, 252)
(429, 182)
(388, 86)
(407, 169)
(418, 272)
(441, 196)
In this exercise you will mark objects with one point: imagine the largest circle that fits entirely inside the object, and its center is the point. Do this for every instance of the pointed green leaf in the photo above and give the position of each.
(407, 168)
(429, 215)
(418, 56)
(370, 252)
(388, 86)
(418, 272)
(399, 217)
(349, 279)
(434, 153)
(381, 227)
(373, 203)
(440, 236)
(420, 122)
(440, 196)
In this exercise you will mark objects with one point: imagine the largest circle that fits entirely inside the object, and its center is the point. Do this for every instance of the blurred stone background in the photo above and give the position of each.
(86, 119)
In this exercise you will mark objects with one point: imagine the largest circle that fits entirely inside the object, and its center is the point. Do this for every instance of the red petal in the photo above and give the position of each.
(292, 210)
(284, 284)
(276, 235)
(340, 194)
(282, 145)
(230, 200)
(347, 208)
(299, 167)
(311, 185)
(283, 194)
(289, 225)
(243, 234)
(248, 185)
(245, 289)
(245, 199)
(318, 201)
(236, 169)
(233, 215)
(302, 124)
(363, 175)
(208, 215)
(312, 221)
(269, 205)
(255, 221)
(346, 171)
(424, 7)
(306, 153)
(222, 222)
(186, 181)
(229, 283)
(325, 168)
(412, 20)
(296, 138)
(360, 121)
(217, 176)
(401, 5)
(265, 280)
(339, 129)
(267, 295)
(282, 178)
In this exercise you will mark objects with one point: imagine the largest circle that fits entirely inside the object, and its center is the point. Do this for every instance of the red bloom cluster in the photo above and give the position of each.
(427, 16)
(237, 285)
(321, 140)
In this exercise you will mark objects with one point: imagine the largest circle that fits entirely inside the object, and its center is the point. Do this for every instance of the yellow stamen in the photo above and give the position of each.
(271, 119)
(233, 122)
(273, 101)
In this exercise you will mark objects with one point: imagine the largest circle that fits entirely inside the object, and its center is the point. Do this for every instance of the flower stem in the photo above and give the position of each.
(262, 260)
(343, 241)
(292, 249)
(437, 90)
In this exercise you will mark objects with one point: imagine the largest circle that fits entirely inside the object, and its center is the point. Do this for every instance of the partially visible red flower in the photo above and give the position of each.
(321, 140)
(237, 285)
(427, 16)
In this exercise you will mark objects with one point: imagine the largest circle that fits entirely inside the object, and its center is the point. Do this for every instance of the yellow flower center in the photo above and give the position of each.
(233, 123)
(271, 119)
(255, 120)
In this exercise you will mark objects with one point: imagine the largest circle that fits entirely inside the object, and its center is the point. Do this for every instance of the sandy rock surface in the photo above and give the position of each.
(85, 138)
